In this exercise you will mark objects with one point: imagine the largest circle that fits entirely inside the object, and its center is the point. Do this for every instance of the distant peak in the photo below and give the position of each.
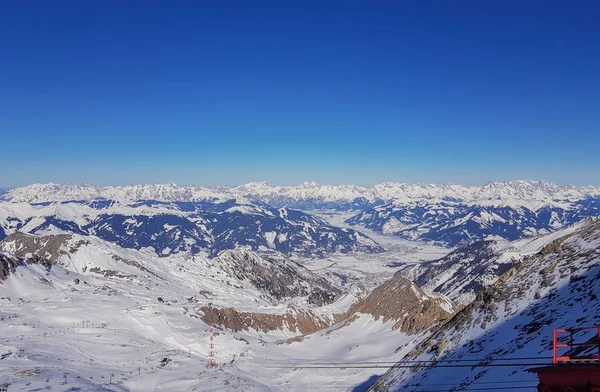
(258, 183)
(255, 185)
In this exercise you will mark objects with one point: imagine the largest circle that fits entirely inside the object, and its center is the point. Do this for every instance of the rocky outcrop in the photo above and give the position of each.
(48, 247)
(279, 277)
(295, 320)
(397, 300)
(400, 300)
(8, 264)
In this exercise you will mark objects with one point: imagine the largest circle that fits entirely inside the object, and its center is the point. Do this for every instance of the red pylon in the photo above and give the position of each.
(211, 353)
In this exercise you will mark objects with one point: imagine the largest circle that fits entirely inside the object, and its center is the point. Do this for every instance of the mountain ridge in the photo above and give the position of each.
(170, 228)
(514, 192)
(554, 288)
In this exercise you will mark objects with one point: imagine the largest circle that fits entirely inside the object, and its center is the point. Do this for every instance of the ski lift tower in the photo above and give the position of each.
(576, 364)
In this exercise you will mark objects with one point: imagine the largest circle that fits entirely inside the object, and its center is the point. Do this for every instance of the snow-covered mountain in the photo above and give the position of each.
(150, 275)
(80, 305)
(193, 227)
(309, 195)
(97, 310)
(456, 222)
(446, 214)
(39, 193)
(272, 280)
(468, 270)
(278, 277)
(555, 288)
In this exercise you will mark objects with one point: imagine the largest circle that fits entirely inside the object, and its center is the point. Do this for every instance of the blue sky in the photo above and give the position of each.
(226, 92)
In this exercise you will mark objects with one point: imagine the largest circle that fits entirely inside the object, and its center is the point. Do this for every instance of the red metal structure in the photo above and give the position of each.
(576, 366)
(211, 352)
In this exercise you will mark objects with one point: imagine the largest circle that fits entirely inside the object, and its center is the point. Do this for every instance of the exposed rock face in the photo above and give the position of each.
(402, 301)
(279, 278)
(398, 300)
(8, 264)
(295, 320)
(23, 245)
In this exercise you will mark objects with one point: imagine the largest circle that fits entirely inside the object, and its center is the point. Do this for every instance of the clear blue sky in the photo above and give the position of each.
(226, 92)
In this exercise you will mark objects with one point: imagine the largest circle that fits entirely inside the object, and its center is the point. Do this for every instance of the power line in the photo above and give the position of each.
(395, 366)
(415, 361)
(474, 382)
(474, 389)
(404, 389)
(420, 385)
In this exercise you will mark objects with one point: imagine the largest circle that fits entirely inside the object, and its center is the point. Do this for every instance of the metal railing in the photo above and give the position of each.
(572, 344)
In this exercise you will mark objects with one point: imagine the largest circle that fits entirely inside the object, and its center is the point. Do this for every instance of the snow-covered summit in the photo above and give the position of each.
(39, 193)
(509, 192)
(446, 213)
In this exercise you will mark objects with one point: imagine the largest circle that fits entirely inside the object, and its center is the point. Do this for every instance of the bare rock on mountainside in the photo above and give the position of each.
(295, 320)
(279, 277)
(400, 300)
(464, 272)
(25, 245)
(8, 264)
(467, 271)
(397, 300)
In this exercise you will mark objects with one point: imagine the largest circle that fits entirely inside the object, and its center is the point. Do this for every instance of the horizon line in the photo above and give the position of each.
(311, 183)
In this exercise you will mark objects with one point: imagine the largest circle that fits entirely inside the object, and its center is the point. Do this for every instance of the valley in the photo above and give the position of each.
(121, 294)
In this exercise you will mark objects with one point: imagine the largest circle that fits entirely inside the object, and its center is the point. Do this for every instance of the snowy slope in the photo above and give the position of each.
(8, 264)
(200, 227)
(250, 279)
(456, 222)
(514, 318)
(107, 333)
(98, 309)
(468, 270)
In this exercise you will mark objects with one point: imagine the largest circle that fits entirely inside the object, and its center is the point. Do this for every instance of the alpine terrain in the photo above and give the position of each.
(278, 288)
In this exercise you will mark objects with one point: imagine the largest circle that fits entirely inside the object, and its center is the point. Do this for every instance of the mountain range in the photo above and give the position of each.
(450, 215)
(291, 276)
(310, 195)
(191, 227)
